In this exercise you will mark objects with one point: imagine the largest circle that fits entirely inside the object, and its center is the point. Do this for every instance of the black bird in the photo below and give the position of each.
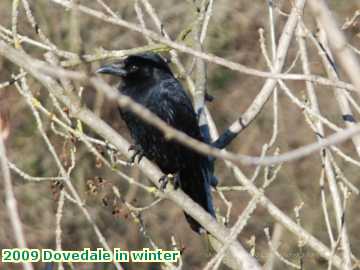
(148, 80)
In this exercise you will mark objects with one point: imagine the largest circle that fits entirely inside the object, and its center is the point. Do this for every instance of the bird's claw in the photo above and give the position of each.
(138, 152)
(176, 181)
(166, 178)
(208, 97)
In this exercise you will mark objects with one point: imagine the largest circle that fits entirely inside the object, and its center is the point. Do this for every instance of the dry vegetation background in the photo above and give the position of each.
(233, 34)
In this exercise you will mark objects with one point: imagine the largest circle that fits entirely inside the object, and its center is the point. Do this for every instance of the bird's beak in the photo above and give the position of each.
(113, 69)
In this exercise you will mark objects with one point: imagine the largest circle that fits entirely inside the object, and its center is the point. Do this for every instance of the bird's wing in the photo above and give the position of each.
(170, 102)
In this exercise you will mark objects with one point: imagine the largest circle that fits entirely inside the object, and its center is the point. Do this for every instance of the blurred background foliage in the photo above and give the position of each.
(233, 34)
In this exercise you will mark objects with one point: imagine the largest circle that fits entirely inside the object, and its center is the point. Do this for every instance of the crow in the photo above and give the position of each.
(148, 80)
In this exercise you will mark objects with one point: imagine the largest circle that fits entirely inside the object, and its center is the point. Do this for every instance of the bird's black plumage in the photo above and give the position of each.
(148, 80)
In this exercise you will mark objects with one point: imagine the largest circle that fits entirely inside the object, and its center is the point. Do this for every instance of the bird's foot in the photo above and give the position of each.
(166, 178)
(176, 181)
(208, 97)
(138, 152)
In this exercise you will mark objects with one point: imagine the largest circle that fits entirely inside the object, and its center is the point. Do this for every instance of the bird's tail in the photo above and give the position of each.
(196, 182)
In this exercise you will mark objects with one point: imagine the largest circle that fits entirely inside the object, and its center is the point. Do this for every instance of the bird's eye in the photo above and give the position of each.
(133, 68)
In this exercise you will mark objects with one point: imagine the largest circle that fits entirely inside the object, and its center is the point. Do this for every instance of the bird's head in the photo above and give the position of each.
(137, 67)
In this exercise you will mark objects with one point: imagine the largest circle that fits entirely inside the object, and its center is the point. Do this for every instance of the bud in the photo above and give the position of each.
(4, 125)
